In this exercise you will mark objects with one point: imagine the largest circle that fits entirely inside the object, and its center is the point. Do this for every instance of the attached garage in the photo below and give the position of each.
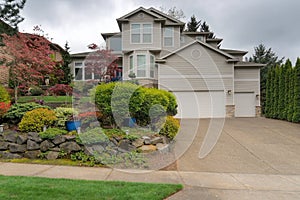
(244, 104)
(200, 104)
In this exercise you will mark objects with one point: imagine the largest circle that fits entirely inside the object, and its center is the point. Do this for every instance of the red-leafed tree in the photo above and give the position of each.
(101, 62)
(30, 59)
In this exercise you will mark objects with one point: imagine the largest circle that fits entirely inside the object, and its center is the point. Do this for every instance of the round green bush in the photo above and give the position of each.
(170, 127)
(63, 115)
(17, 111)
(36, 91)
(36, 119)
(4, 96)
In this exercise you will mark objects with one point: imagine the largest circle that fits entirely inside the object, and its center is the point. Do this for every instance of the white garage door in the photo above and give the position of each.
(244, 104)
(200, 104)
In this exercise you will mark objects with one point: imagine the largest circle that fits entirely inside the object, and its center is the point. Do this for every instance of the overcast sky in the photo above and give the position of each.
(241, 24)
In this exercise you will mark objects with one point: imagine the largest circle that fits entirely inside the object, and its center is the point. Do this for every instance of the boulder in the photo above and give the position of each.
(17, 148)
(52, 155)
(4, 145)
(70, 137)
(32, 154)
(31, 145)
(70, 147)
(10, 137)
(146, 140)
(59, 139)
(156, 140)
(46, 145)
(162, 147)
(138, 142)
(22, 139)
(9, 155)
(34, 136)
(125, 145)
(148, 148)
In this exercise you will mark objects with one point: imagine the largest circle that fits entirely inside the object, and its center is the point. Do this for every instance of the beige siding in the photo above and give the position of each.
(246, 73)
(197, 68)
(156, 39)
(246, 86)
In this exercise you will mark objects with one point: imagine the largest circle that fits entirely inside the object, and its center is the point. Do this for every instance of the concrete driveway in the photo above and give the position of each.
(246, 145)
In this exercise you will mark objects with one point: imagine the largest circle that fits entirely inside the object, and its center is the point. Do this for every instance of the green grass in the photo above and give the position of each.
(16, 187)
(51, 99)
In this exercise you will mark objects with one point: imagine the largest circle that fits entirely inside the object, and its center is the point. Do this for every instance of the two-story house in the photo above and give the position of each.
(207, 81)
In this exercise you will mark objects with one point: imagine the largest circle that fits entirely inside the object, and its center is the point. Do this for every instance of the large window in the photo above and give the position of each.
(141, 65)
(116, 43)
(152, 66)
(141, 33)
(168, 36)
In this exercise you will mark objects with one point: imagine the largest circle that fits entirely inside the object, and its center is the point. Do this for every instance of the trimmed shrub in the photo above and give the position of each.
(4, 96)
(17, 111)
(36, 119)
(93, 136)
(36, 91)
(63, 115)
(170, 127)
(50, 133)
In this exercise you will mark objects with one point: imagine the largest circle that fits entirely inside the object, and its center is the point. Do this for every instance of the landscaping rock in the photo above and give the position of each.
(96, 148)
(70, 137)
(138, 142)
(148, 148)
(162, 147)
(22, 139)
(70, 147)
(17, 148)
(10, 137)
(32, 154)
(31, 145)
(9, 155)
(46, 145)
(4, 145)
(166, 140)
(34, 136)
(57, 149)
(52, 155)
(125, 145)
(59, 139)
(156, 140)
(114, 141)
(146, 140)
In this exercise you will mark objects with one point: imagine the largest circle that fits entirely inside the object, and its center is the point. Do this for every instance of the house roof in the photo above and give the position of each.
(158, 15)
(196, 33)
(233, 51)
(107, 35)
(203, 44)
(80, 55)
(248, 64)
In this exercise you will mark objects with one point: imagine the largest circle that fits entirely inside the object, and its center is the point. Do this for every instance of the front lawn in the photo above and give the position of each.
(14, 187)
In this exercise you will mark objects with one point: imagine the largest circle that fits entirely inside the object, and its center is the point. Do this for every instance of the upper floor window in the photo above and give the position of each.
(168, 36)
(116, 43)
(141, 33)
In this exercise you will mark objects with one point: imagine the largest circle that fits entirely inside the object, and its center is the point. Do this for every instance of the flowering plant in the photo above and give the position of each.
(4, 107)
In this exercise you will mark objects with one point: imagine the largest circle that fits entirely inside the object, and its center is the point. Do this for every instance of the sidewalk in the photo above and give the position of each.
(198, 185)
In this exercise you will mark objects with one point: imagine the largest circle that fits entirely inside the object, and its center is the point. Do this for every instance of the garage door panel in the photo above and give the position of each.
(244, 104)
(200, 104)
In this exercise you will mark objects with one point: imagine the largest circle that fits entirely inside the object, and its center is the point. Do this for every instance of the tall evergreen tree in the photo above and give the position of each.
(288, 69)
(296, 114)
(264, 56)
(193, 24)
(10, 12)
(291, 96)
(65, 66)
(205, 28)
(276, 92)
(272, 91)
(268, 94)
(281, 103)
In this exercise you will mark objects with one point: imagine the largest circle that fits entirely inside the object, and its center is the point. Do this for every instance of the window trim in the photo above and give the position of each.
(148, 56)
(172, 28)
(141, 33)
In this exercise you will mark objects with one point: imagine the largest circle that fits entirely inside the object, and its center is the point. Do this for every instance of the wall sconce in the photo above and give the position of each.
(229, 92)
(257, 96)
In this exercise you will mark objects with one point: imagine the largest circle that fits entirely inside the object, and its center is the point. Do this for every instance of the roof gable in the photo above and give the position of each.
(200, 43)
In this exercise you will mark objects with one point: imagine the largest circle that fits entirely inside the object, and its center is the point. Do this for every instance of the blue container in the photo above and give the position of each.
(73, 125)
(129, 122)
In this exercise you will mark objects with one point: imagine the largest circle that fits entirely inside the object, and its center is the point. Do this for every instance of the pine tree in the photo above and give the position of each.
(281, 102)
(10, 12)
(268, 93)
(193, 25)
(205, 28)
(296, 114)
(288, 69)
(65, 66)
(291, 96)
(272, 90)
(276, 92)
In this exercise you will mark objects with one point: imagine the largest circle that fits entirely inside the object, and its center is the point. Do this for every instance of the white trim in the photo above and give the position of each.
(173, 36)
(196, 76)
(249, 79)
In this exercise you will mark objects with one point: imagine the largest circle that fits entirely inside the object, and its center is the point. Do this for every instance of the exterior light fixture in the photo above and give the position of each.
(229, 92)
